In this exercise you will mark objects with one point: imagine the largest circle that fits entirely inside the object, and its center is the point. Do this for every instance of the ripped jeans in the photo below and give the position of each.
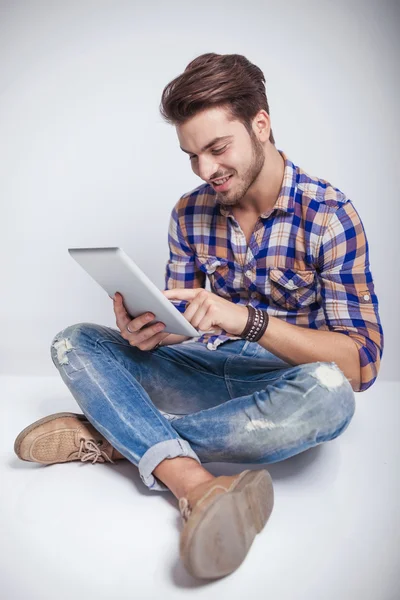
(239, 403)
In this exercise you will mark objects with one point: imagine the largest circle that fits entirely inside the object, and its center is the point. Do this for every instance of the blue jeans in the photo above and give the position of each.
(239, 403)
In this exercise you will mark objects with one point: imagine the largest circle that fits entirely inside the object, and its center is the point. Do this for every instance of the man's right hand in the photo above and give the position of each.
(144, 338)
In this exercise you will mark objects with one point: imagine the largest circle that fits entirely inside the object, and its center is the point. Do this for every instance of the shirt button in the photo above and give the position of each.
(248, 273)
(366, 297)
(291, 284)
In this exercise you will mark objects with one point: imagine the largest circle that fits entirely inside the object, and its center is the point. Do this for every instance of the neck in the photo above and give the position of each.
(263, 194)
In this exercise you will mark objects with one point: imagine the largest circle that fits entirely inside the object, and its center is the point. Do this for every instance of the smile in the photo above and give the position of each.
(221, 184)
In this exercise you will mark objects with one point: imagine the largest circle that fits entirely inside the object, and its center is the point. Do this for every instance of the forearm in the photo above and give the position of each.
(294, 344)
(300, 345)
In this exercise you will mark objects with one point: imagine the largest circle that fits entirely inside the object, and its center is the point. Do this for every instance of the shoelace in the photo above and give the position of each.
(89, 450)
(185, 508)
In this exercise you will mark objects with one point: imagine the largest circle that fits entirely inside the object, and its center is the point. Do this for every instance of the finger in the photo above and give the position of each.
(209, 321)
(139, 323)
(197, 308)
(213, 330)
(153, 341)
(141, 338)
(122, 316)
(195, 313)
(119, 306)
(182, 294)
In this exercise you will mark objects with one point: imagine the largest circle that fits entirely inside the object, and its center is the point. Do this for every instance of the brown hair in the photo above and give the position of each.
(216, 80)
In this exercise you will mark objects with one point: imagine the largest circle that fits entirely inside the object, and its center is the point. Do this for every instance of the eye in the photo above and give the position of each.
(216, 151)
(219, 150)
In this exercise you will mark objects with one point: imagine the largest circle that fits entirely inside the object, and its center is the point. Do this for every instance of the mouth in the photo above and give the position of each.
(222, 184)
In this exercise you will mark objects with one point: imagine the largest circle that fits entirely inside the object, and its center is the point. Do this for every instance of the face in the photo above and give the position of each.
(220, 148)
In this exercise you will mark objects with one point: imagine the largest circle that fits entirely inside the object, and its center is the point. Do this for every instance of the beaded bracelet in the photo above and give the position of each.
(257, 323)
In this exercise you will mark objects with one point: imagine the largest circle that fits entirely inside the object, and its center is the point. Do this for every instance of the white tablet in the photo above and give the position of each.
(115, 271)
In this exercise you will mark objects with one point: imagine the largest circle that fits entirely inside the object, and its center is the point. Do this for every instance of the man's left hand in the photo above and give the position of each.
(207, 311)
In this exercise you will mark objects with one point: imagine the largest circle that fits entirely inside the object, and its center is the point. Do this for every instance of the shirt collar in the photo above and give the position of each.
(285, 200)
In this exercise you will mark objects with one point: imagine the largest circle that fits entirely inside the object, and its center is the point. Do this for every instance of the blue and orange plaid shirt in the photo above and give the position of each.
(306, 263)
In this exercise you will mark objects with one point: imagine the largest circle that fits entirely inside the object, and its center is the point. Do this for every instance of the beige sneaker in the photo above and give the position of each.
(221, 520)
(63, 437)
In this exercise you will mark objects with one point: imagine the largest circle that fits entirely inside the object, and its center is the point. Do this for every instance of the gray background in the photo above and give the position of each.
(86, 160)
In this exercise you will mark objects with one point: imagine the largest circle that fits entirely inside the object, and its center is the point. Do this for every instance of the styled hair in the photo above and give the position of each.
(212, 80)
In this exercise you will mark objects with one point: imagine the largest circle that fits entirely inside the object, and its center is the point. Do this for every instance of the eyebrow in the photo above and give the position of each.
(214, 141)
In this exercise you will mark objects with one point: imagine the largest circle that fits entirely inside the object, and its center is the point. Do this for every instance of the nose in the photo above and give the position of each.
(207, 167)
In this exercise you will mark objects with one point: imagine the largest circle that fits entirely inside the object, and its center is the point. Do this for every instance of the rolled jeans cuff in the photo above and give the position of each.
(156, 454)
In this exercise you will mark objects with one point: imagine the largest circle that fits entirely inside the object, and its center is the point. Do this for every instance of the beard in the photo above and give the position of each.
(233, 197)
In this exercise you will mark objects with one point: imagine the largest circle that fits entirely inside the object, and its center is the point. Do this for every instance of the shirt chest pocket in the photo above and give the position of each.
(292, 290)
(218, 272)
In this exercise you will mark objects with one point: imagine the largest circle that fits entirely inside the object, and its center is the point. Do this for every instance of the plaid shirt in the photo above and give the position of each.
(306, 263)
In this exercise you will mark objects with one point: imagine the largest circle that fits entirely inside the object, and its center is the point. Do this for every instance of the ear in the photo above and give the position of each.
(262, 126)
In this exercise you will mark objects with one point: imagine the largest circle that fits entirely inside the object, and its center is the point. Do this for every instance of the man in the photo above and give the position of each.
(293, 309)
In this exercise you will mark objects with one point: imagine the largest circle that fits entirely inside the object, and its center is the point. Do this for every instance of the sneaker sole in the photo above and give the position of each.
(221, 540)
(28, 429)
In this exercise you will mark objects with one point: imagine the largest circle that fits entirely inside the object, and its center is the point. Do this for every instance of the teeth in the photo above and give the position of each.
(220, 181)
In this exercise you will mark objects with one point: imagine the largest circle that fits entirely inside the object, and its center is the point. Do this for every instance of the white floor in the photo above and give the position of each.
(95, 532)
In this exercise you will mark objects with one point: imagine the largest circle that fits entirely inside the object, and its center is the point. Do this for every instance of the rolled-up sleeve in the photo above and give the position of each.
(181, 270)
(347, 289)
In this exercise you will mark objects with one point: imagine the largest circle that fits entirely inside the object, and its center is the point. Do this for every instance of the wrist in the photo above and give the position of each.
(257, 323)
(240, 320)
